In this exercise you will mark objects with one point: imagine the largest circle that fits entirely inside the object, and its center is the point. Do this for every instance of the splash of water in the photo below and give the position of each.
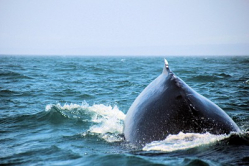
(183, 141)
(107, 121)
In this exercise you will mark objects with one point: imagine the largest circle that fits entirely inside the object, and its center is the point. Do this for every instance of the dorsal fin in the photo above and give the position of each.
(166, 67)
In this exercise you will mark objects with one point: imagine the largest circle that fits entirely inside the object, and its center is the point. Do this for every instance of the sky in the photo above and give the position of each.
(124, 27)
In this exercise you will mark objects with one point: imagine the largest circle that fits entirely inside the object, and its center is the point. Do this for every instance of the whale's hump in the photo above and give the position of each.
(169, 106)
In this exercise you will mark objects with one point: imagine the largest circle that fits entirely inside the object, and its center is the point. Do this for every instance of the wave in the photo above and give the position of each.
(11, 74)
(6, 92)
(106, 121)
(9, 93)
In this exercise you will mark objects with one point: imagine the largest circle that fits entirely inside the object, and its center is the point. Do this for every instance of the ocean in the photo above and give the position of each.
(70, 110)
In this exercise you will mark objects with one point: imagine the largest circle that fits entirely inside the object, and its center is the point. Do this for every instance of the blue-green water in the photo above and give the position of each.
(64, 110)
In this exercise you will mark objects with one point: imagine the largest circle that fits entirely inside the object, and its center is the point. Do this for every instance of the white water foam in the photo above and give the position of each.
(107, 121)
(183, 141)
(110, 122)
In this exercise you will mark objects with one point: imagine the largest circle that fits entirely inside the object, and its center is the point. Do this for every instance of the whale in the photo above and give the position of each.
(169, 106)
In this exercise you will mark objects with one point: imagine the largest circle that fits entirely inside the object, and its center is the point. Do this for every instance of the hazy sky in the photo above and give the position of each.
(124, 27)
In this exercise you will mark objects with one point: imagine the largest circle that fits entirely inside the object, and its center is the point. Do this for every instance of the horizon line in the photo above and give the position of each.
(129, 55)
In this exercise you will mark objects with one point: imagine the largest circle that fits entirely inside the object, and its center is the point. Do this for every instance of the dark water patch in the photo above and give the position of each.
(6, 92)
(19, 123)
(195, 162)
(210, 78)
(123, 83)
(120, 159)
(224, 75)
(77, 136)
(12, 93)
(85, 96)
(244, 161)
(40, 154)
(237, 139)
(12, 75)
(93, 138)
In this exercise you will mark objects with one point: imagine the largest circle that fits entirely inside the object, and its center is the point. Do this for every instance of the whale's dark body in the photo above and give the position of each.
(169, 106)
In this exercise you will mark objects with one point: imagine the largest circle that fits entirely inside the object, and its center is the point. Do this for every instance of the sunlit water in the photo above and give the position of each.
(71, 110)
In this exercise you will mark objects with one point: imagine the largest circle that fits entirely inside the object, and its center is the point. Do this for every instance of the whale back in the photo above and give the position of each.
(169, 106)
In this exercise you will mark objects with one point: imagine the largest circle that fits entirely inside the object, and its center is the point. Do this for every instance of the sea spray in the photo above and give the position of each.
(110, 122)
(107, 121)
(183, 141)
